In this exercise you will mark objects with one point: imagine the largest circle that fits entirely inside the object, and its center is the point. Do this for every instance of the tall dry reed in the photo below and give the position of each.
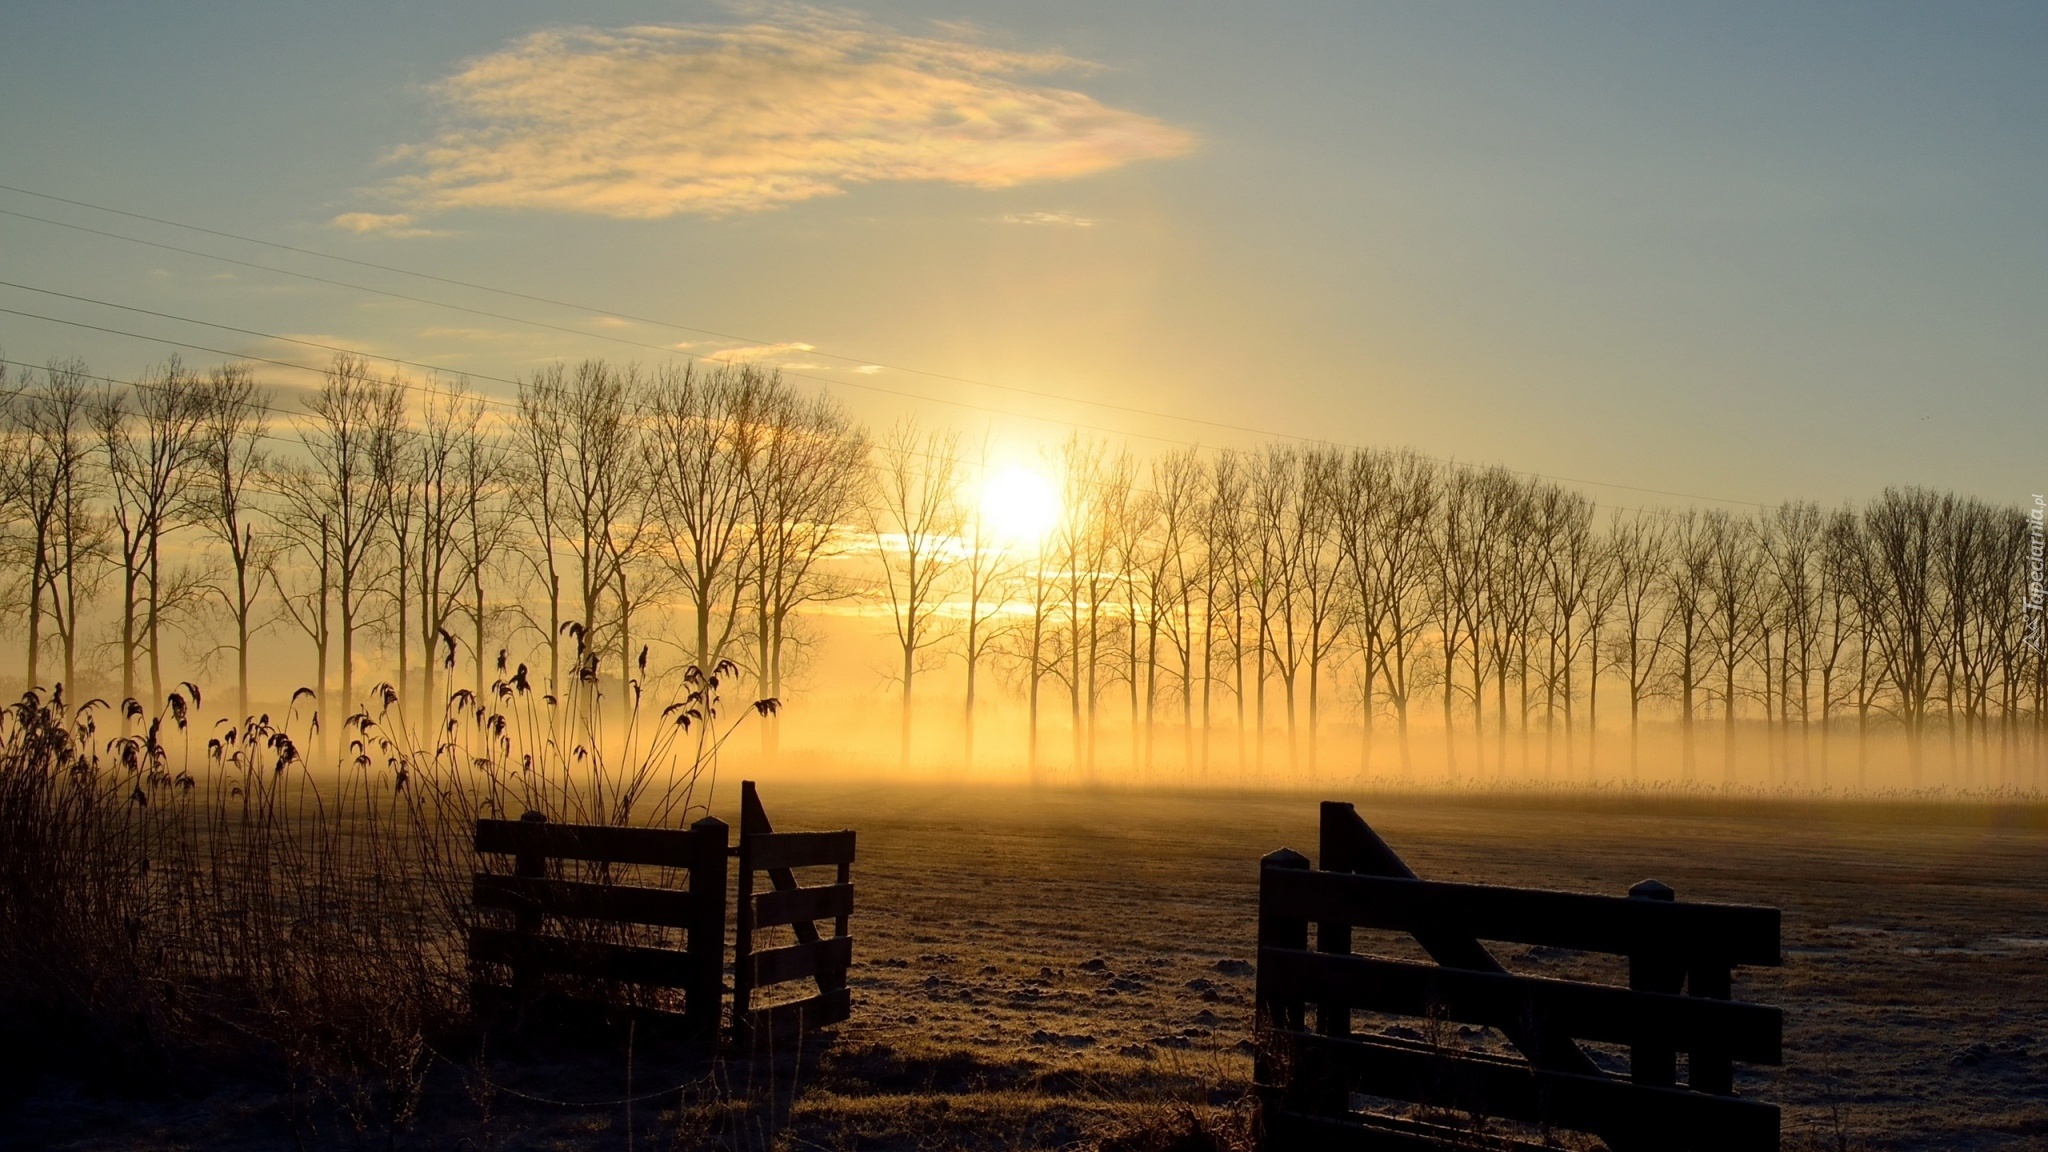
(173, 898)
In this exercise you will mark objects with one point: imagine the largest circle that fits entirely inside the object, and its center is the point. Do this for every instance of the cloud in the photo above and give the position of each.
(651, 121)
(1056, 219)
(754, 353)
(399, 224)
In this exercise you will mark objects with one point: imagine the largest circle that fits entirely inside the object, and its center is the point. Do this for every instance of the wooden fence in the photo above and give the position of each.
(576, 928)
(1438, 1095)
(822, 960)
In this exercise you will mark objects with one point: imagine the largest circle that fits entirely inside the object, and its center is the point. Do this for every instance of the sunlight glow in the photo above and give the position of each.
(1020, 505)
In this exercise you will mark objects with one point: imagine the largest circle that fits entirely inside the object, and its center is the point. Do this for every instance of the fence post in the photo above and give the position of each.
(743, 923)
(1654, 970)
(704, 998)
(1271, 1007)
(1336, 850)
(532, 865)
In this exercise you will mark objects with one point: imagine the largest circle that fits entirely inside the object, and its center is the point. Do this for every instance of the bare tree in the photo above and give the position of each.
(989, 566)
(1035, 646)
(399, 467)
(448, 495)
(1574, 577)
(1734, 622)
(233, 425)
(1459, 561)
(602, 490)
(150, 453)
(336, 498)
(1688, 577)
(1223, 591)
(1639, 552)
(484, 525)
(701, 448)
(1838, 622)
(50, 490)
(810, 479)
(1272, 555)
(539, 432)
(1083, 545)
(1173, 560)
(1603, 597)
(1794, 546)
(915, 523)
(1325, 614)
(1897, 577)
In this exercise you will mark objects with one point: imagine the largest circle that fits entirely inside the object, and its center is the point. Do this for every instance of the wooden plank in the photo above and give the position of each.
(625, 903)
(1511, 1089)
(794, 905)
(663, 847)
(1602, 1012)
(1731, 933)
(1711, 1069)
(799, 1016)
(800, 960)
(753, 825)
(1351, 843)
(626, 963)
(774, 850)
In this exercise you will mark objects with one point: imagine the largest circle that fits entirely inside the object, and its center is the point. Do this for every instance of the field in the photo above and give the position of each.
(1050, 969)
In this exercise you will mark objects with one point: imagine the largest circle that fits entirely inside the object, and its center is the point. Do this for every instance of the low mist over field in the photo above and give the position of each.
(915, 601)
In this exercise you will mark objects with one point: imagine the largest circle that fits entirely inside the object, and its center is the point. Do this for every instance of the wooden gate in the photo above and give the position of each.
(558, 925)
(1437, 1095)
(822, 960)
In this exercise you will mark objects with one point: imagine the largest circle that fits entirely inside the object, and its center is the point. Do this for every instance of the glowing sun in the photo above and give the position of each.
(1020, 505)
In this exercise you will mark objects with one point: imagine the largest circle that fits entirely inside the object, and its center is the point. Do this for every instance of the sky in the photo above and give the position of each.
(1733, 252)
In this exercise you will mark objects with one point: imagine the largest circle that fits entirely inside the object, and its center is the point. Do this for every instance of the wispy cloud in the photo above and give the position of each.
(399, 224)
(757, 353)
(651, 121)
(1053, 219)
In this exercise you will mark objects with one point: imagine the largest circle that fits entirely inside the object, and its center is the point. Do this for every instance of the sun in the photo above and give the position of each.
(1019, 505)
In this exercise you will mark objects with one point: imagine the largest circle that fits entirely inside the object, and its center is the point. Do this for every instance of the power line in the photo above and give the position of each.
(616, 339)
(553, 302)
(556, 303)
(475, 375)
(492, 401)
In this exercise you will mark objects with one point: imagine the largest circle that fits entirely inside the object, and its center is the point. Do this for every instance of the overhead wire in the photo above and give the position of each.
(833, 381)
(481, 398)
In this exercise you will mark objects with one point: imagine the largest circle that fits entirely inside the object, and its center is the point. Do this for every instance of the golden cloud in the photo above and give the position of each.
(651, 121)
(756, 353)
(1052, 219)
(400, 224)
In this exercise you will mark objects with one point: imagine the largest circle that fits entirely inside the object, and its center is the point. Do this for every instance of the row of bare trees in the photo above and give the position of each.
(1242, 605)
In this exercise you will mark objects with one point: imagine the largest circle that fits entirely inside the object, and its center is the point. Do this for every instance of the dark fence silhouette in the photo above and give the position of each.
(602, 933)
(823, 960)
(535, 895)
(1426, 1093)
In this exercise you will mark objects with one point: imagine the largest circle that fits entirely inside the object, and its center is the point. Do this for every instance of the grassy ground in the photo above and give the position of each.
(1050, 970)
